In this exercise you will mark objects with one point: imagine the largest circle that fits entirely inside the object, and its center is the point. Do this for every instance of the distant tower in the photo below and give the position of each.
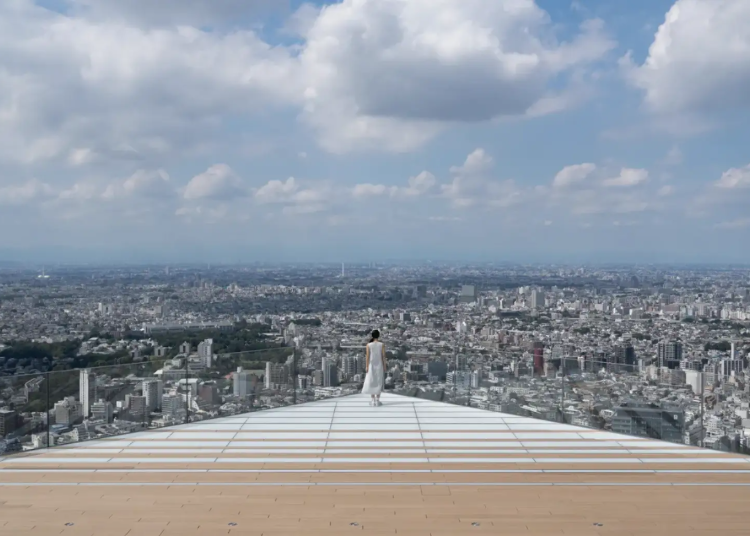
(343, 272)
(83, 392)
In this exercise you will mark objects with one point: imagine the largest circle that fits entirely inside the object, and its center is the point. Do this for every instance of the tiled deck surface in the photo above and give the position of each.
(341, 467)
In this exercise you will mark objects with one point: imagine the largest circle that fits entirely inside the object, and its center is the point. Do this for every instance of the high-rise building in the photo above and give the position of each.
(276, 375)
(186, 348)
(68, 411)
(729, 366)
(317, 377)
(102, 411)
(350, 365)
(206, 352)
(476, 379)
(172, 405)
(330, 373)
(438, 369)
(8, 422)
(669, 354)
(209, 393)
(242, 386)
(153, 391)
(622, 359)
(136, 406)
(460, 379)
(538, 358)
(537, 299)
(84, 392)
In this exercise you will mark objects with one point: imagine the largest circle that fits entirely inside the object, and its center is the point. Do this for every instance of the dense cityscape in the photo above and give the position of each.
(88, 352)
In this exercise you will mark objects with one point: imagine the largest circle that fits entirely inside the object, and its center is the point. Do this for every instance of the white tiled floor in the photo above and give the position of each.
(402, 431)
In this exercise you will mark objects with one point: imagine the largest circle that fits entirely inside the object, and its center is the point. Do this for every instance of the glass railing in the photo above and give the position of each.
(24, 419)
(321, 373)
(619, 398)
(64, 407)
(240, 382)
(601, 395)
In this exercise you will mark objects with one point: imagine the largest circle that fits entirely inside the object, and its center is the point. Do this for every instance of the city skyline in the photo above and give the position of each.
(652, 352)
(532, 131)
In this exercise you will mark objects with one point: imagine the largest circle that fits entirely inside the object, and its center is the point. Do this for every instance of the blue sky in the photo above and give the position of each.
(595, 130)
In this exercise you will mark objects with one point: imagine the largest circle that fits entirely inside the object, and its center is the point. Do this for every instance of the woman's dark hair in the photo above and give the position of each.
(375, 335)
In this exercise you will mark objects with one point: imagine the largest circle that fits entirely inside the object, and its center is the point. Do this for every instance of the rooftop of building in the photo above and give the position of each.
(338, 466)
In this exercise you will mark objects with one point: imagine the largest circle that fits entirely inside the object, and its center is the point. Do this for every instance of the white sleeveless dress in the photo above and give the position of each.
(375, 378)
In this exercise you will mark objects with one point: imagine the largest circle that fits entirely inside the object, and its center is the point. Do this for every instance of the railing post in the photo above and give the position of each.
(703, 424)
(47, 406)
(187, 391)
(294, 374)
(562, 395)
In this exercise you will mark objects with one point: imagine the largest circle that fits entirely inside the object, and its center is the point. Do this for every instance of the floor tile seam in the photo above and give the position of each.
(232, 438)
(330, 424)
(419, 425)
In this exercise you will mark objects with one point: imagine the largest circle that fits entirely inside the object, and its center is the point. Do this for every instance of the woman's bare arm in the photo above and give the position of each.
(367, 358)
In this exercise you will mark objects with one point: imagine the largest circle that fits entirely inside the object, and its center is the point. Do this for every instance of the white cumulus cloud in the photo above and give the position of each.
(575, 174)
(217, 182)
(735, 178)
(80, 90)
(699, 60)
(145, 183)
(416, 186)
(25, 192)
(276, 191)
(390, 74)
(172, 12)
(628, 177)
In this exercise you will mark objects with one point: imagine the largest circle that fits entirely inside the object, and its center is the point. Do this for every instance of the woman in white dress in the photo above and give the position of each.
(375, 378)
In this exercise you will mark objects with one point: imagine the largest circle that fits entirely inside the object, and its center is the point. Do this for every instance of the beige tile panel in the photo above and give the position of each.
(358, 477)
(383, 510)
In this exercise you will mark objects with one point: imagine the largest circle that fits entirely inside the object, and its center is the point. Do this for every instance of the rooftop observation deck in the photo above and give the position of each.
(340, 467)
